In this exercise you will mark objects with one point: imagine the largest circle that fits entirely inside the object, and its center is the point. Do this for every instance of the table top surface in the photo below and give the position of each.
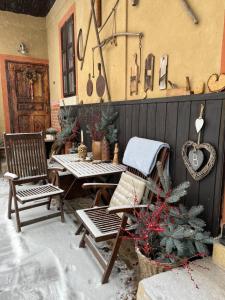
(84, 169)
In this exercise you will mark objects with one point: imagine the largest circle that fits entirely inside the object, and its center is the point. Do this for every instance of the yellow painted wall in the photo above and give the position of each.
(17, 28)
(194, 50)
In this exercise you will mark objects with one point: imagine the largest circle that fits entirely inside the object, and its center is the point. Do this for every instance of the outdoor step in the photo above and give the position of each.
(219, 254)
(206, 281)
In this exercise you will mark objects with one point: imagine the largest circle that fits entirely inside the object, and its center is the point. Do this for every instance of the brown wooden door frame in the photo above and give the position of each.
(41, 109)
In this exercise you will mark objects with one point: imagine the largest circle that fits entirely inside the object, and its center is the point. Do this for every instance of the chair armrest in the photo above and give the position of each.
(87, 186)
(125, 208)
(10, 176)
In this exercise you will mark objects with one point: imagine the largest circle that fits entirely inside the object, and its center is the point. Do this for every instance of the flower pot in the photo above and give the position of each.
(97, 150)
(149, 267)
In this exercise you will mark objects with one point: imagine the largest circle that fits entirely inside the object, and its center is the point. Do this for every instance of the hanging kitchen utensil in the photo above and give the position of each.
(149, 72)
(80, 46)
(89, 86)
(100, 83)
(134, 75)
(163, 72)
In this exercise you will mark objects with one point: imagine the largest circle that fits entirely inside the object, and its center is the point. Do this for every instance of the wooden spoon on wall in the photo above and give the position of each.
(100, 83)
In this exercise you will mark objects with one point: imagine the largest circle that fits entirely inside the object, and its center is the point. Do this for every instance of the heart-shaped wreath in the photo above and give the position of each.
(198, 175)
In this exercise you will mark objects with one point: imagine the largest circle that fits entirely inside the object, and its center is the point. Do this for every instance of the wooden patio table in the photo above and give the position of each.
(86, 169)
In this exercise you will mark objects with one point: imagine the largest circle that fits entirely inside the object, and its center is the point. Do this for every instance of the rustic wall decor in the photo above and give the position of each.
(100, 83)
(163, 72)
(80, 46)
(190, 11)
(134, 77)
(216, 83)
(89, 86)
(149, 73)
(193, 155)
(199, 175)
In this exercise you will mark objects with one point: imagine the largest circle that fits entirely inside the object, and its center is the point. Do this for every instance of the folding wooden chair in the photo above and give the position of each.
(102, 223)
(26, 161)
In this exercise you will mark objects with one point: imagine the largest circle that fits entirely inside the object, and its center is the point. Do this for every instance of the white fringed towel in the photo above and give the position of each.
(141, 154)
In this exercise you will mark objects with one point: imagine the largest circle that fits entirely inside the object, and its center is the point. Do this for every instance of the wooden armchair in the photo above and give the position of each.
(27, 164)
(102, 223)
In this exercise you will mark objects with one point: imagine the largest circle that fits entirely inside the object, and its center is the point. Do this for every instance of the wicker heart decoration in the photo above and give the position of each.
(207, 167)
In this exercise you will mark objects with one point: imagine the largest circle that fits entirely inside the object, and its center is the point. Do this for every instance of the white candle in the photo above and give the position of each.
(82, 136)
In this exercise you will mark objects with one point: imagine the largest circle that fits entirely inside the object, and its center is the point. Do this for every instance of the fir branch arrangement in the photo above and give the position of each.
(167, 232)
(100, 123)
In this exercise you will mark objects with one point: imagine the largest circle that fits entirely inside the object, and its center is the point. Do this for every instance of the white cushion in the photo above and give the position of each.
(129, 190)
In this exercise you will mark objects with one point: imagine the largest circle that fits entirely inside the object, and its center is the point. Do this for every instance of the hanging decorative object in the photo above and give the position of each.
(80, 46)
(89, 86)
(216, 83)
(98, 9)
(190, 11)
(193, 155)
(134, 2)
(100, 83)
(149, 72)
(134, 77)
(31, 76)
(178, 91)
(163, 72)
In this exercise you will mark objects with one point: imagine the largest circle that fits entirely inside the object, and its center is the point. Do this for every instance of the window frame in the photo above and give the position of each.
(66, 46)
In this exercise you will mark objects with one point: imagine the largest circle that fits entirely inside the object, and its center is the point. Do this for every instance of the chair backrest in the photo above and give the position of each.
(25, 154)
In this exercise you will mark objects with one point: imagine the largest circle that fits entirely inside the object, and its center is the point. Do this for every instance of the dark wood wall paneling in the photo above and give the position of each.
(173, 120)
(37, 8)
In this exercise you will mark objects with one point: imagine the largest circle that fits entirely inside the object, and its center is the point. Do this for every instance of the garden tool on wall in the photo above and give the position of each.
(163, 72)
(134, 77)
(149, 73)
(190, 11)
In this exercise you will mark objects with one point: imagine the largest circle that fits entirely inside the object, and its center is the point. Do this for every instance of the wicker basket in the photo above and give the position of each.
(148, 267)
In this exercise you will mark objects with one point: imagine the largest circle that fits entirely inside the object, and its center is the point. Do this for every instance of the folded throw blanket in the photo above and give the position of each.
(141, 154)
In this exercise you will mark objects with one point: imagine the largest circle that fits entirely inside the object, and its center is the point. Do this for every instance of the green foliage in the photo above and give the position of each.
(171, 231)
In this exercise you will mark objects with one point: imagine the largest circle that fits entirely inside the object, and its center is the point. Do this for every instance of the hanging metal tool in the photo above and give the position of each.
(110, 14)
(163, 72)
(134, 77)
(86, 41)
(149, 73)
(190, 11)
(100, 49)
(80, 46)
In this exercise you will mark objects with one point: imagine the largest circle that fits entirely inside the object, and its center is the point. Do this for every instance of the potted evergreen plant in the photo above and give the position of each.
(168, 234)
(102, 130)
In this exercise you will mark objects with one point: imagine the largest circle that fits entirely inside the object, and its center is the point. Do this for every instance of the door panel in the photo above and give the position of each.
(28, 90)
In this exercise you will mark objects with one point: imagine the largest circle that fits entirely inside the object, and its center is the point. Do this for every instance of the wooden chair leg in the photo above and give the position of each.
(61, 209)
(10, 202)
(18, 225)
(112, 259)
(49, 203)
(79, 229)
(82, 241)
(115, 250)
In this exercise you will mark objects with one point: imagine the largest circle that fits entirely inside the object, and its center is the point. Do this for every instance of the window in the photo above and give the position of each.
(68, 58)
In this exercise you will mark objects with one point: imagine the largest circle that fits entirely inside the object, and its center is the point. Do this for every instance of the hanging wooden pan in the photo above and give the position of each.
(100, 83)
(89, 86)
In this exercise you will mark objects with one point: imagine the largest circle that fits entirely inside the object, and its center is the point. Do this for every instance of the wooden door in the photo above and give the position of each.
(28, 96)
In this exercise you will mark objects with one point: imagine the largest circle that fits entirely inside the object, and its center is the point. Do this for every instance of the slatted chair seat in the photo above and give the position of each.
(37, 192)
(100, 224)
(27, 165)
